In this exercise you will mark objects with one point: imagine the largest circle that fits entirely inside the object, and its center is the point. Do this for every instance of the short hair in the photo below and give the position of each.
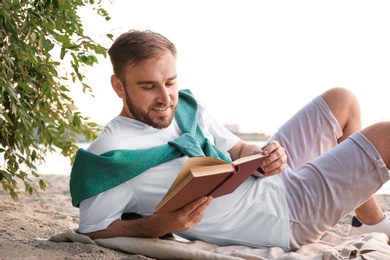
(134, 46)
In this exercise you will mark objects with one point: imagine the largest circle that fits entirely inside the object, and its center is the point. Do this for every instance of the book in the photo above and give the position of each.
(207, 176)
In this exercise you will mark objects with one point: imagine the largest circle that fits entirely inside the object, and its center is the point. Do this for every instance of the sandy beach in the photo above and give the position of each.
(27, 222)
(25, 225)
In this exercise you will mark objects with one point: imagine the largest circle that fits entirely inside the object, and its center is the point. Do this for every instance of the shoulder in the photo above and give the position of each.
(113, 134)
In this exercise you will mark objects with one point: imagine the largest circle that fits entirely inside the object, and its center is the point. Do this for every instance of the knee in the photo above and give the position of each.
(344, 106)
(341, 96)
(379, 136)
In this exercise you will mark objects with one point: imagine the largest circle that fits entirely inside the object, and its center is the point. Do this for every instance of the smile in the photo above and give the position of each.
(161, 109)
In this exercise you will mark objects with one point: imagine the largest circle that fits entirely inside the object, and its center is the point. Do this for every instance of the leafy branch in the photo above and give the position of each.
(42, 52)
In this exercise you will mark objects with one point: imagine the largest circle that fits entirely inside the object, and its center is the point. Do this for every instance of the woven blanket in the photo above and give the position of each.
(331, 246)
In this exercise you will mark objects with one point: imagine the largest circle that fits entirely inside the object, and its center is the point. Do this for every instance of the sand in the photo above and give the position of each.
(27, 222)
(25, 225)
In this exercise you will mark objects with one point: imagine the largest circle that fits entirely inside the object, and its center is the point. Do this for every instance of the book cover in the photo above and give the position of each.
(206, 176)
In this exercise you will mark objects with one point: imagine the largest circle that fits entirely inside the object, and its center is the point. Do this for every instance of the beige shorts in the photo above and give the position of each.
(325, 181)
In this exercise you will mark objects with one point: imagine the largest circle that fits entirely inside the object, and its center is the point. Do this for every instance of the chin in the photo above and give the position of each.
(159, 122)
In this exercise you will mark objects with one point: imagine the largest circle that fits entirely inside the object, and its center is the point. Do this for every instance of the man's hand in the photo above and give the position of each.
(184, 218)
(157, 225)
(277, 161)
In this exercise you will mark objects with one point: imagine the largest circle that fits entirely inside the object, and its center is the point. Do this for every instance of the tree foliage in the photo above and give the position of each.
(42, 51)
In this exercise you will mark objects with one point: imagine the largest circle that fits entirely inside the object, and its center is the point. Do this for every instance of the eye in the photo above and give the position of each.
(170, 82)
(147, 86)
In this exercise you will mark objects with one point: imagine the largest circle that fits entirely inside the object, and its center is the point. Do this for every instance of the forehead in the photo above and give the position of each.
(161, 66)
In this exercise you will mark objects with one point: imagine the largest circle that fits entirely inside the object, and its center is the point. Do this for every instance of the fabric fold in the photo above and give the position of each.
(331, 246)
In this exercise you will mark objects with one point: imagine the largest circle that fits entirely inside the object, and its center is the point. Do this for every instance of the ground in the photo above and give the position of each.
(25, 225)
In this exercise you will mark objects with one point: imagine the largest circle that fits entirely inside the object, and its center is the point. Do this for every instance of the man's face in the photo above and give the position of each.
(151, 91)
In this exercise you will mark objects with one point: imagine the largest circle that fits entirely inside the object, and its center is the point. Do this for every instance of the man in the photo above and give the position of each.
(320, 166)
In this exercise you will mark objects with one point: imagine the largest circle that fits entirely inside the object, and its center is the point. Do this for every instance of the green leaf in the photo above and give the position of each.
(8, 119)
(24, 86)
(63, 51)
(6, 175)
(49, 25)
(45, 87)
(62, 38)
(75, 60)
(34, 155)
(76, 121)
(42, 184)
(47, 45)
(71, 106)
(69, 116)
(84, 58)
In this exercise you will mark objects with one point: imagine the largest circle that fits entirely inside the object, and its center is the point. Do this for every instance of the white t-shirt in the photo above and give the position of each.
(256, 214)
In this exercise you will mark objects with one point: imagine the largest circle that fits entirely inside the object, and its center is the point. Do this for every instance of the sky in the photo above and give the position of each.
(255, 63)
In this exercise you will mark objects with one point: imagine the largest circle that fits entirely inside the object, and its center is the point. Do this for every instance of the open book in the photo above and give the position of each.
(207, 176)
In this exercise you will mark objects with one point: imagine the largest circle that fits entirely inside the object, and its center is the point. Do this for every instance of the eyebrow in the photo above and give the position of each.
(142, 82)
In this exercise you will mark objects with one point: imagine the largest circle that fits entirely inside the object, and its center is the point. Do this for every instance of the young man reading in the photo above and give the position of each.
(321, 166)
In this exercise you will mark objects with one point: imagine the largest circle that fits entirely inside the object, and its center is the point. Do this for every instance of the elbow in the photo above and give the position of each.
(98, 234)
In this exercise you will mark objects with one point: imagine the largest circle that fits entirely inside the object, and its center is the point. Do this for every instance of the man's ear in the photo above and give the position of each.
(118, 87)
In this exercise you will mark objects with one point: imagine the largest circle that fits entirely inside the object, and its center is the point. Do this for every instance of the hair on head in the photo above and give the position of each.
(135, 46)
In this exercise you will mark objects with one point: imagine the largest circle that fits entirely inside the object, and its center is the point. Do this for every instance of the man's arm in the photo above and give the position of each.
(157, 225)
(274, 164)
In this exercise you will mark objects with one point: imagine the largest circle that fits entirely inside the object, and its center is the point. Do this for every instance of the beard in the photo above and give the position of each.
(158, 122)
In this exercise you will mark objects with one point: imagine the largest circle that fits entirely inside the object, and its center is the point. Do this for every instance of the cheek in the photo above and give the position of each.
(144, 101)
(174, 96)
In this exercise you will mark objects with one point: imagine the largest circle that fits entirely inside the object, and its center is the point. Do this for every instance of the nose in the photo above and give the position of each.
(164, 95)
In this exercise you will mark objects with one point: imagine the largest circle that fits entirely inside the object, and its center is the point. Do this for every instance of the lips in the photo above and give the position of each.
(160, 109)
(164, 108)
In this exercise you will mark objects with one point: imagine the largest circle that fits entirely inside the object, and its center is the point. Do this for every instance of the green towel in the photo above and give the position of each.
(92, 174)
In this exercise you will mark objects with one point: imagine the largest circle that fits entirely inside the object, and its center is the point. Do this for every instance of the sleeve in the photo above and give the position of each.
(98, 212)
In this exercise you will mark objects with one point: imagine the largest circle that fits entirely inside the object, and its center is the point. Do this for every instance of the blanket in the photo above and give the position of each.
(331, 246)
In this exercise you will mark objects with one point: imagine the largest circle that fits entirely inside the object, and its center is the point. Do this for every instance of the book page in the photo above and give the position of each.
(212, 170)
(248, 158)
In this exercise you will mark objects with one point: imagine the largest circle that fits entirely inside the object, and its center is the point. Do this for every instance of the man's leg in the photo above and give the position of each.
(378, 134)
(331, 186)
(345, 108)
